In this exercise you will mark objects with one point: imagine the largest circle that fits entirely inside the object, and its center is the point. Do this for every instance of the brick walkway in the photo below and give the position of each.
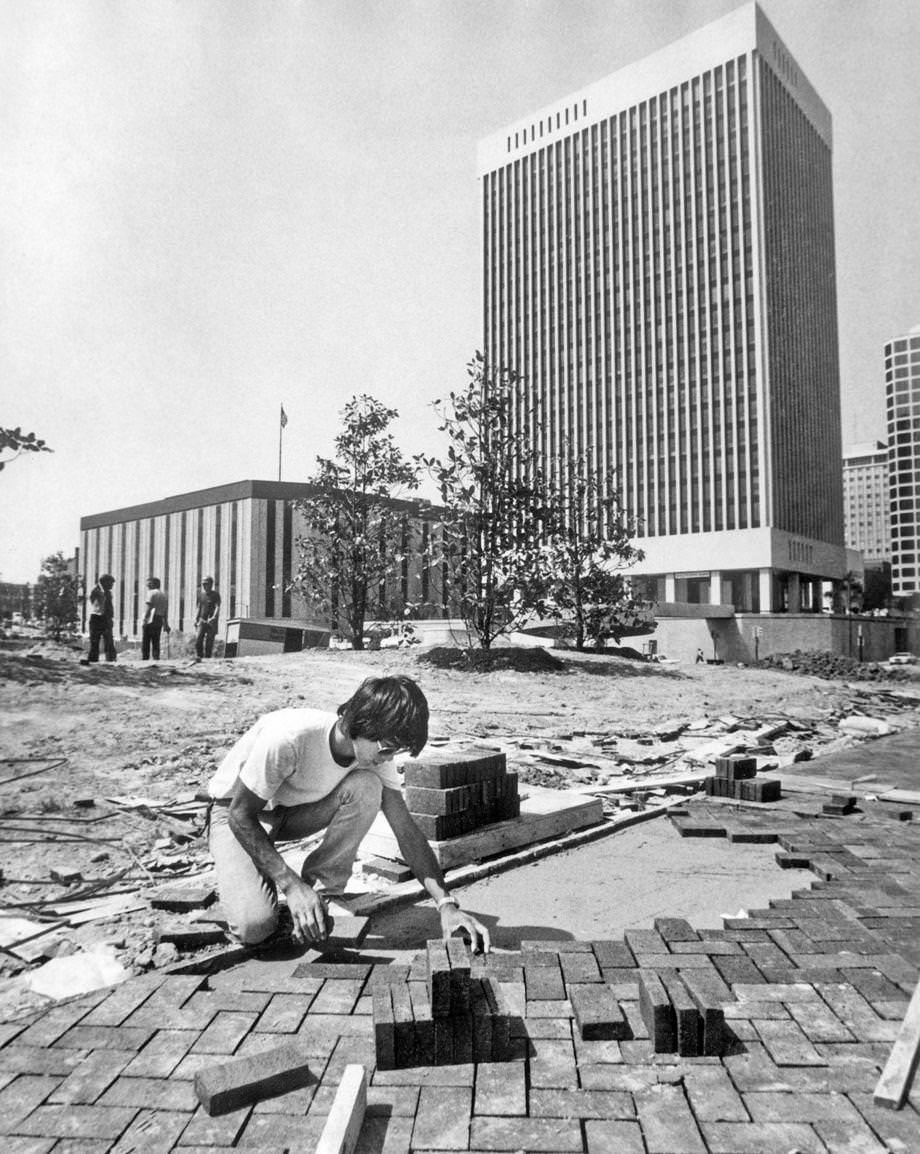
(819, 987)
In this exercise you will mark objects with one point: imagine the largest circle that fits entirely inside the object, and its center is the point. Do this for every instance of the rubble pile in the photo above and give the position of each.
(836, 666)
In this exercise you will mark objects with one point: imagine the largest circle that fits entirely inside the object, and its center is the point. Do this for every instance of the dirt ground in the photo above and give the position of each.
(99, 766)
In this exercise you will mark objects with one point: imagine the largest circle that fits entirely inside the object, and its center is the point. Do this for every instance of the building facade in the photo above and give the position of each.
(658, 264)
(244, 535)
(866, 501)
(902, 402)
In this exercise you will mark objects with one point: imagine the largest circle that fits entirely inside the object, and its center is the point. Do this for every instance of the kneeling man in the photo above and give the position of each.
(299, 771)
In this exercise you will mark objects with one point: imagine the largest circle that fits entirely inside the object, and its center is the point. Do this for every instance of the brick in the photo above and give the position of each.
(623, 1137)
(100, 1123)
(229, 1086)
(224, 1034)
(345, 932)
(403, 1025)
(543, 983)
(458, 955)
(712, 1096)
(581, 1104)
(462, 1037)
(560, 1135)
(686, 1015)
(392, 1101)
(645, 942)
(761, 1138)
(384, 1027)
(597, 1013)
(553, 1066)
(675, 930)
(439, 983)
(191, 937)
(553, 946)
(152, 1130)
(501, 1089)
(446, 769)
(657, 1013)
(358, 971)
(392, 871)
(106, 1038)
(737, 970)
(340, 1134)
(437, 801)
(424, 1023)
(786, 1044)
(181, 899)
(337, 996)
(613, 955)
(482, 1023)
(92, 1077)
(443, 1041)
(711, 995)
(667, 1122)
(150, 1093)
(443, 1118)
(23, 1095)
(283, 1014)
(501, 1017)
(579, 968)
(736, 768)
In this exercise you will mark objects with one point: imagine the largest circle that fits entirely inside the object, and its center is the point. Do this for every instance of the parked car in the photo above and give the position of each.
(902, 659)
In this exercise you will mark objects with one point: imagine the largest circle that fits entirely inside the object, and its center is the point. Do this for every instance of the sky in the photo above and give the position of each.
(210, 208)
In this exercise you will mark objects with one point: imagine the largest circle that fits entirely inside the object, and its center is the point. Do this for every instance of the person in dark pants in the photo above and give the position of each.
(156, 613)
(206, 617)
(101, 620)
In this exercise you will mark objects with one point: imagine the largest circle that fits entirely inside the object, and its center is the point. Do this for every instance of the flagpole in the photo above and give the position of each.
(280, 435)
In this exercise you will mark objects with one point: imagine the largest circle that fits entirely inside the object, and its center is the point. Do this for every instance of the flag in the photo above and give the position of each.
(283, 417)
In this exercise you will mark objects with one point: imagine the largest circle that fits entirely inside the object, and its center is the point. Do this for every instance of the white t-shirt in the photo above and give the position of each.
(285, 759)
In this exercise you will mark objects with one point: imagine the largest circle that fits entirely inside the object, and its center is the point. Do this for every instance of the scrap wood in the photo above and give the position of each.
(892, 1087)
(343, 1126)
(53, 763)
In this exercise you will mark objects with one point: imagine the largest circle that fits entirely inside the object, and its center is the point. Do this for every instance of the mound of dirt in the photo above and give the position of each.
(520, 660)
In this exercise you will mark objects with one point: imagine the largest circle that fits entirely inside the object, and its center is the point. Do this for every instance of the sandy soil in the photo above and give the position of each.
(152, 734)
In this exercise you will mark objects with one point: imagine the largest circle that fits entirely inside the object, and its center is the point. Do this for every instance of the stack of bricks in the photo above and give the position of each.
(736, 777)
(442, 1019)
(683, 1011)
(840, 804)
(451, 793)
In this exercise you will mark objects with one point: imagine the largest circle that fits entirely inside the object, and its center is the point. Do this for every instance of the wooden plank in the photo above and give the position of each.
(892, 1087)
(343, 1126)
(545, 813)
(901, 796)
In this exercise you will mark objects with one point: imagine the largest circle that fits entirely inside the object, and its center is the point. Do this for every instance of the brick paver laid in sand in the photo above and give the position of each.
(766, 1035)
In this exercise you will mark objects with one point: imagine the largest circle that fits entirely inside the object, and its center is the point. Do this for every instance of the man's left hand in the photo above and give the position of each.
(453, 919)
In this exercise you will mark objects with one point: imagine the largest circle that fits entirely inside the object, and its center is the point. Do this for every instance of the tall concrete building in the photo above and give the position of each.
(902, 400)
(659, 270)
(865, 500)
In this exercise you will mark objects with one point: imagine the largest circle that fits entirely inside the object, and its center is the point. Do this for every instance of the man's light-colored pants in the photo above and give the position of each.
(249, 898)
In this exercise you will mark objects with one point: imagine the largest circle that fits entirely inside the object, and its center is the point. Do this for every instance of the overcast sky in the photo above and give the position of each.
(211, 207)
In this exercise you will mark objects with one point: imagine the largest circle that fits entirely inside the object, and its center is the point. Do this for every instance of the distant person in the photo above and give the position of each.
(699, 656)
(297, 772)
(156, 614)
(101, 620)
(206, 616)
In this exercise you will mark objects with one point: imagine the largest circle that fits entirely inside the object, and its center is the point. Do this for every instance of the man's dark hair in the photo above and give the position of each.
(154, 581)
(391, 709)
(106, 580)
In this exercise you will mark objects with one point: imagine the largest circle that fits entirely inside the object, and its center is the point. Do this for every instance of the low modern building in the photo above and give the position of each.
(244, 535)
(902, 402)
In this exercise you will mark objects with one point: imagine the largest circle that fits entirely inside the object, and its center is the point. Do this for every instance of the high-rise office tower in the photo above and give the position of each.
(659, 270)
(865, 500)
(902, 393)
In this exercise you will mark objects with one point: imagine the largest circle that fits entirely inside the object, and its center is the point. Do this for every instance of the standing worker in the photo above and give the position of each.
(156, 613)
(206, 617)
(101, 620)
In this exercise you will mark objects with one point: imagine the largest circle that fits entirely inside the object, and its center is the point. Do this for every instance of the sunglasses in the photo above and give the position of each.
(390, 750)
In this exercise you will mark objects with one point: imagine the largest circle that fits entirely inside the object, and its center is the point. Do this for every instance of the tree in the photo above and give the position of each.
(15, 441)
(490, 534)
(56, 596)
(587, 546)
(357, 533)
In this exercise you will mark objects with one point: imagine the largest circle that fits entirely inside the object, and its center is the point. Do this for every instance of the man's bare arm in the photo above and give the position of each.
(304, 903)
(419, 857)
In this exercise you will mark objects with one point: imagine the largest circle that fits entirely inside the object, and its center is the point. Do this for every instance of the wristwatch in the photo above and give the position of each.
(447, 900)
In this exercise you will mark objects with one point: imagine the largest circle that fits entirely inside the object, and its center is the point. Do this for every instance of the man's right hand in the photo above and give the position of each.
(307, 912)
